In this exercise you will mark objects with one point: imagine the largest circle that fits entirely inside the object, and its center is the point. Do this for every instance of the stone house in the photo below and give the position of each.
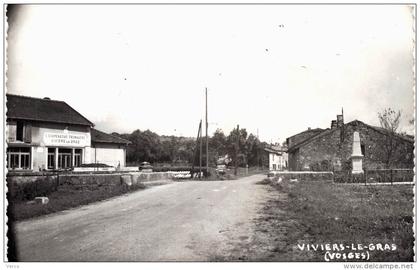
(331, 148)
(302, 136)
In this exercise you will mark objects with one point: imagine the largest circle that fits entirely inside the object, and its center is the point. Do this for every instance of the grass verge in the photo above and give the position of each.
(66, 197)
(321, 213)
(328, 213)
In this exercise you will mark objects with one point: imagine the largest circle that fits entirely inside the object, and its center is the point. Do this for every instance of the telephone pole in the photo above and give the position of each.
(198, 143)
(236, 151)
(207, 140)
(201, 151)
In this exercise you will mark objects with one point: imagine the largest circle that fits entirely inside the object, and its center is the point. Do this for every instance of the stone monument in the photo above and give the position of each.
(356, 156)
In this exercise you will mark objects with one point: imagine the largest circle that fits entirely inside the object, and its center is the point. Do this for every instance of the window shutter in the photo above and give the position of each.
(28, 133)
(11, 128)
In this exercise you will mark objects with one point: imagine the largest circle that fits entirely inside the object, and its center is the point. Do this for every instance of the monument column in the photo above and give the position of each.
(356, 156)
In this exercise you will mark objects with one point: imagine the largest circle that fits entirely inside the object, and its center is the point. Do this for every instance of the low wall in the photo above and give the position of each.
(304, 176)
(94, 169)
(136, 178)
(26, 187)
(90, 179)
(29, 187)
(375, 176)
(386, 176)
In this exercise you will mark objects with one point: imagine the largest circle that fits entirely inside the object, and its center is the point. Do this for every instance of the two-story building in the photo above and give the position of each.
(277, 158)
(45, 134)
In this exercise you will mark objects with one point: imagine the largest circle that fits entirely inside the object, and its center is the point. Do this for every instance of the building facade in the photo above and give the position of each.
(302, 136)
(45, 134)
(277, 158)
(331, 149)
(108, 149)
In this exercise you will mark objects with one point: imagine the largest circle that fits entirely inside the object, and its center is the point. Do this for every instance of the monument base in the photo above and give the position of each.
(357, 166)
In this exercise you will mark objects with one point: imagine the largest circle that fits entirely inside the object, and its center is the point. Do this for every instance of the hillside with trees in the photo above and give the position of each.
(173, 150)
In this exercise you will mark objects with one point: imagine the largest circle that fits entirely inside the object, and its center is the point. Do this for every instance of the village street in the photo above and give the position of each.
(182, 221)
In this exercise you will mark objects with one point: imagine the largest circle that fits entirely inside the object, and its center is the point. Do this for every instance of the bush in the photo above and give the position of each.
(20, 189)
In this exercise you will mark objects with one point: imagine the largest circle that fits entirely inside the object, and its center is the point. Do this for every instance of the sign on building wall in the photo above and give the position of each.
(60, 139)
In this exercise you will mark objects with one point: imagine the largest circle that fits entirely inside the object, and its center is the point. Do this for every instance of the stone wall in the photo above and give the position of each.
(90, 179)
(293, 160)
(28, 187)
(305, 176)
(22, 187)
(319, 154)
(330, 152)
(298, 138)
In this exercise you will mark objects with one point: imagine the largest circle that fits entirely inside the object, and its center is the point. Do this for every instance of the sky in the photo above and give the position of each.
(272, 69)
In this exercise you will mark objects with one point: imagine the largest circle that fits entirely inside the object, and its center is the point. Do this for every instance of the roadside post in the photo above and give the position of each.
(392, 180)
(366, 176)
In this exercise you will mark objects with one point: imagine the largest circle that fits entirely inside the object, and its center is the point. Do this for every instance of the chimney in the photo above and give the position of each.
(340, 121)
(333, 124)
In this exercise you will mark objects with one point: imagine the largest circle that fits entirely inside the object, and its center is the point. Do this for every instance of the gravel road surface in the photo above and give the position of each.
(181, 221)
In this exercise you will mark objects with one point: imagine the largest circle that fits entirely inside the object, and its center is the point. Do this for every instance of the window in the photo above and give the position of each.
(13, 160)
(51, 159)
(64, 158)
(274, 166)
(19, 158)
(19, 131)
(23, 132)
(77, 157)
(362, 146)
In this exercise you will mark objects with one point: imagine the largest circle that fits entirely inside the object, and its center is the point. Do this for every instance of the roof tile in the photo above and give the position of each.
(45, 110)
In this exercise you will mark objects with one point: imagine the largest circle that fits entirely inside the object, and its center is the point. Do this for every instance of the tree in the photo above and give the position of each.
(232, 141)
(253, 150)
(151, 147)
(145, 146)
(390, 121)
(217, 146)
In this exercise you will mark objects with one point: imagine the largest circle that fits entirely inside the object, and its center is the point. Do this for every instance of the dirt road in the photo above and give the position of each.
(183, 221)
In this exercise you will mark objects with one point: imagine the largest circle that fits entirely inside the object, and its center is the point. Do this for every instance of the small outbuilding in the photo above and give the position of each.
(108, 149)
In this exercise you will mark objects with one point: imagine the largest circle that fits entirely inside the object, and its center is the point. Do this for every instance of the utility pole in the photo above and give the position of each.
(198, 142)
(236, 150)
(201, 149)
(207, 140)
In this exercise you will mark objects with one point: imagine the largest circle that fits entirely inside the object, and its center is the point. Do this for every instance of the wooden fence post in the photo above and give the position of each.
(366, 176)
(391, 178)
(58, 182)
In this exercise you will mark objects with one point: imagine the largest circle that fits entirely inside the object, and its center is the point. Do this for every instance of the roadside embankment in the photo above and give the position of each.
(69, 190)
(302, 219)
